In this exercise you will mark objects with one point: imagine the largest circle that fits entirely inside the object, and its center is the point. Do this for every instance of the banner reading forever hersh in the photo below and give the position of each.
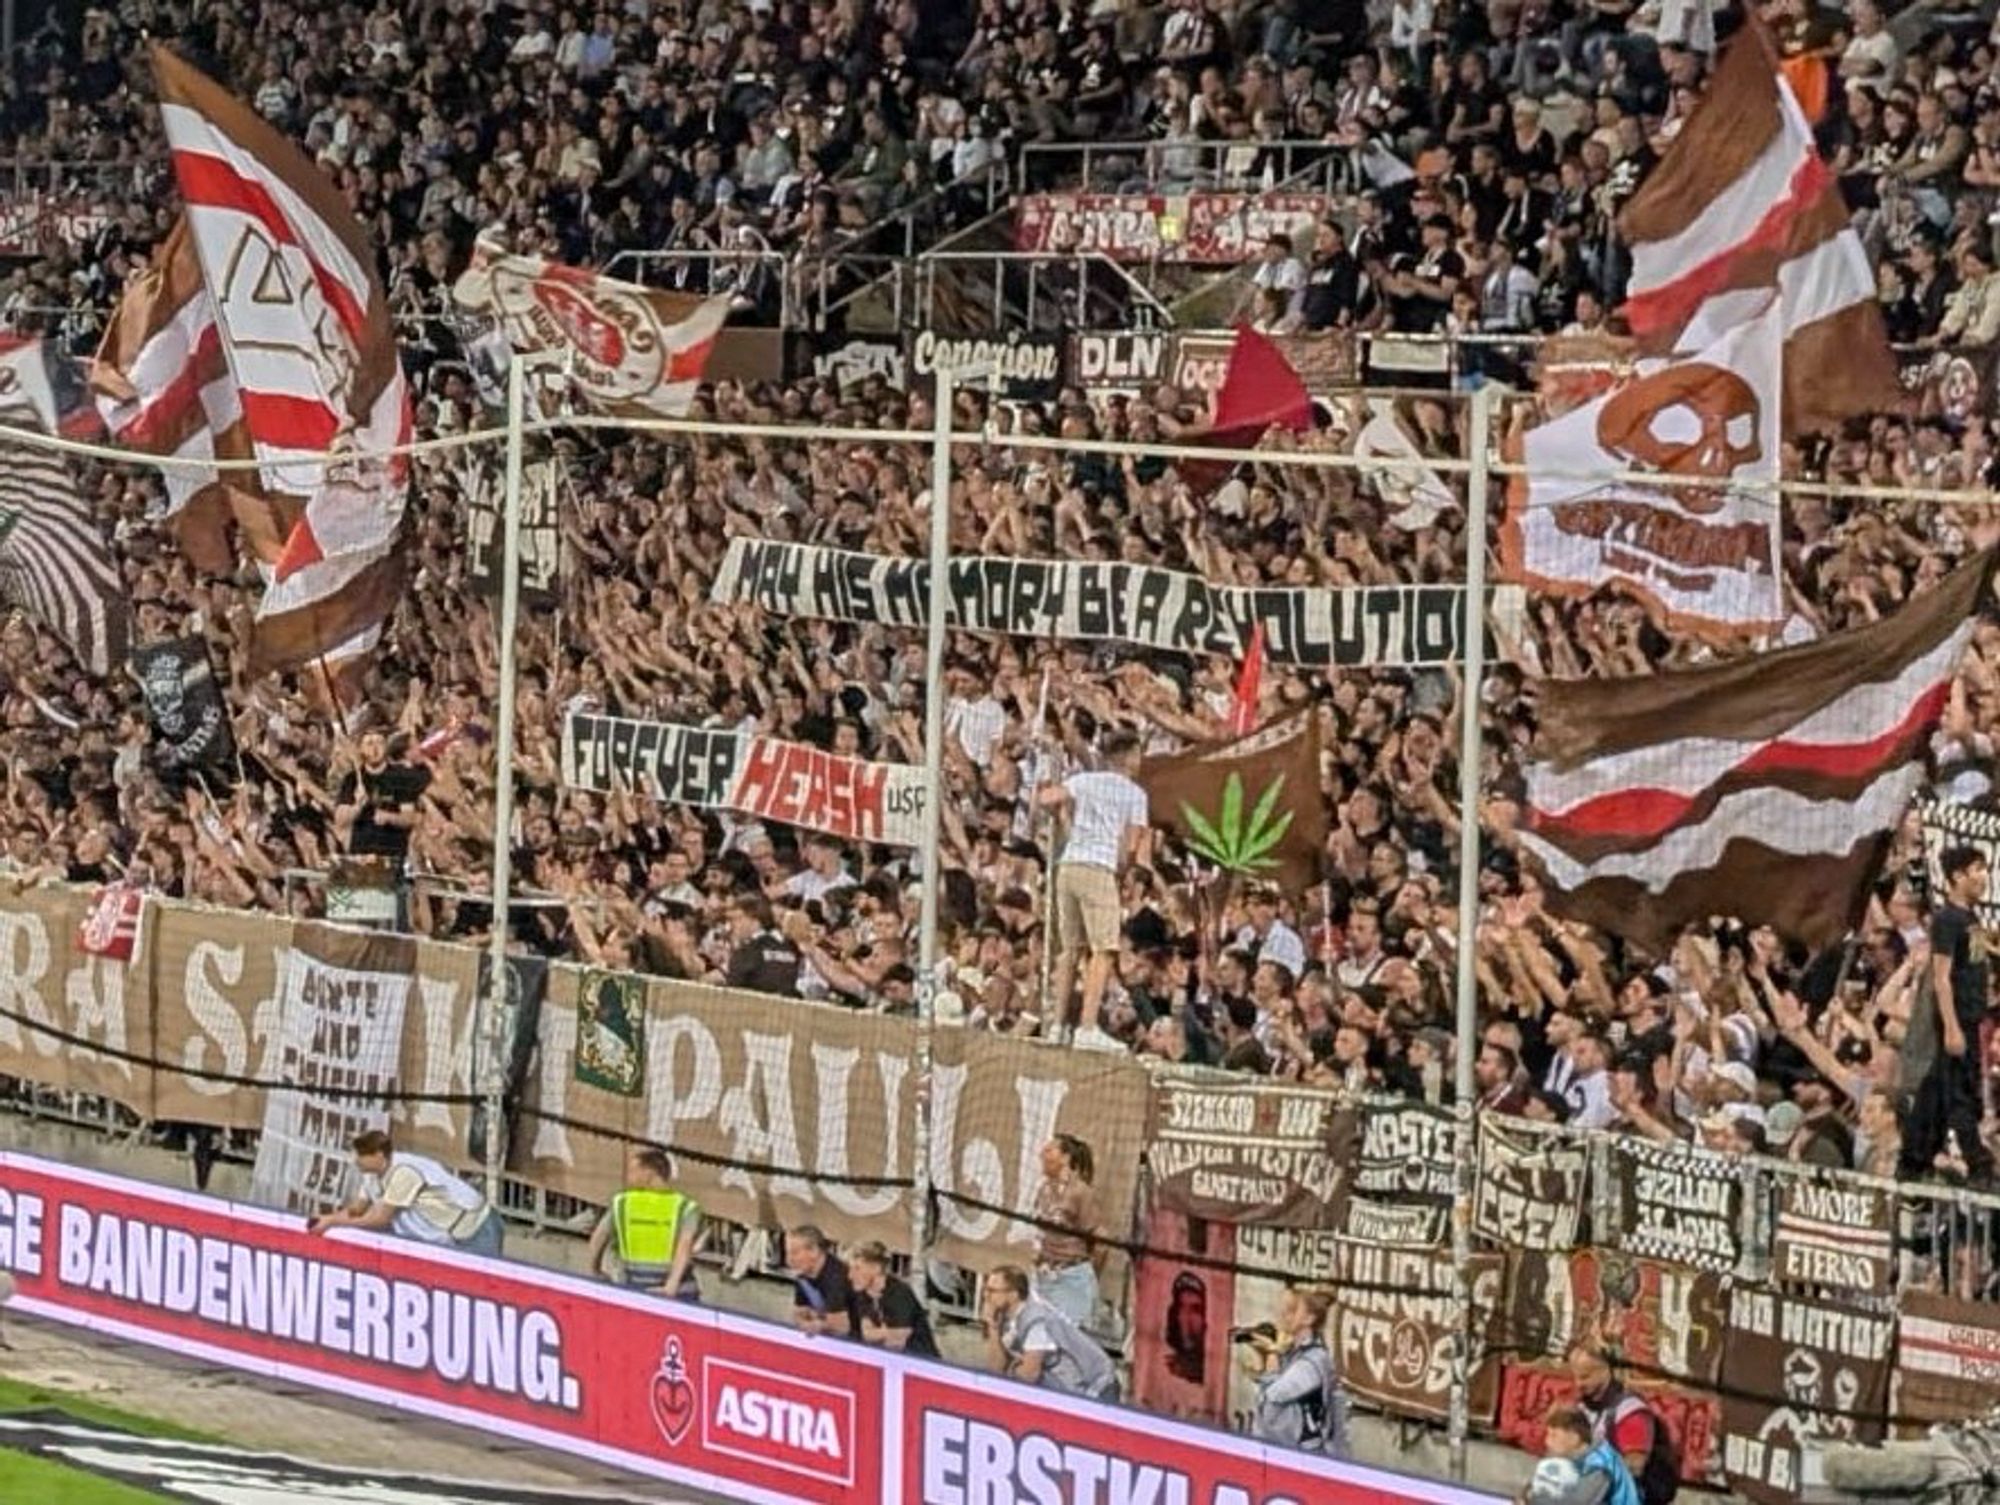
(1377, 626)
(772, 779)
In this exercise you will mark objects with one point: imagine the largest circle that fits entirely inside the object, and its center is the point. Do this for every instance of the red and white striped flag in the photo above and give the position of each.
(1742, 206)
(303, 325)
(1763, 788)
(629, 351)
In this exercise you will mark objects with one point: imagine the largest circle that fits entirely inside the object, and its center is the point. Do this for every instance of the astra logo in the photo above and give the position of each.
(673, 1396)
(777, 1420)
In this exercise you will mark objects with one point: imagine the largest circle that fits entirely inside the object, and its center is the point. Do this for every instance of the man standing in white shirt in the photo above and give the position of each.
(1108, 828)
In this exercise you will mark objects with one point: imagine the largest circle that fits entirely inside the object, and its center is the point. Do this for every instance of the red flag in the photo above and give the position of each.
(1249, 686)
(1260, 390)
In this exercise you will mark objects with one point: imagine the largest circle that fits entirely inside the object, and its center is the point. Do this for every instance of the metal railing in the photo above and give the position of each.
(1181, 166)
(1047, 289)
(773, 264)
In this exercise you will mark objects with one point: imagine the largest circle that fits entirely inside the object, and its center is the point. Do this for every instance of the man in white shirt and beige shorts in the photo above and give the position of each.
(1108, 828)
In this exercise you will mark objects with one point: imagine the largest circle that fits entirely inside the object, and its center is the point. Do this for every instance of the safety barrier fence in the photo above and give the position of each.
(1731, 1289)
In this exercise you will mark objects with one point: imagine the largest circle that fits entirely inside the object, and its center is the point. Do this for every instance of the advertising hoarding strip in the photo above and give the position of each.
(688, 1393)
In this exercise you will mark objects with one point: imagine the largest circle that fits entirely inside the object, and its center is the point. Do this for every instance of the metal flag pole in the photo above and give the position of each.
(494, 1031)
(927, 923)
(1467, 1027)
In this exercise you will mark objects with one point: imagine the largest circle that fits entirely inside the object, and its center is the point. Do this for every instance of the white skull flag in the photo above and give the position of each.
(1700, 547)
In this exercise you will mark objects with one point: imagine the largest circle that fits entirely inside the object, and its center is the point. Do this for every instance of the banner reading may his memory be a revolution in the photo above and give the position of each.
(1377, 626)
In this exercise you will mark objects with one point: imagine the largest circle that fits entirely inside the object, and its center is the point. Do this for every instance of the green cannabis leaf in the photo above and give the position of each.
(1230, 841)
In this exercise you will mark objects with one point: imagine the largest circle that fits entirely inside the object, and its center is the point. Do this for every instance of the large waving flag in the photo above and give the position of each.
(1763, 788)
(54, 561)
(303, 326)
(164, 388)
(628, 351)
(1742, 206)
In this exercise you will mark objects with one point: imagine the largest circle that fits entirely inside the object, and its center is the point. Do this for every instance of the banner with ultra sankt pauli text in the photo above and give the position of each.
(1384, 626)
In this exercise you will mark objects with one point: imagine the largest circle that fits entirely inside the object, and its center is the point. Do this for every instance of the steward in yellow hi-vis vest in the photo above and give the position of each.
(654, 1229)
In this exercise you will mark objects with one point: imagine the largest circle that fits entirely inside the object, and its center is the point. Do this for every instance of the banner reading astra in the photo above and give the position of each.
(667, 1389)
(1386, 626)
(792, 782)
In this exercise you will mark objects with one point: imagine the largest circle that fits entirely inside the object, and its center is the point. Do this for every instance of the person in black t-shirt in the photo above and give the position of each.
(1947, 1100)
(377, 802)
(889, 1314)
(824, 1302)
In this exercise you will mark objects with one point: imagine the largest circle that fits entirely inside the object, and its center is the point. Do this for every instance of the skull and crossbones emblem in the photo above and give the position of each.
(1691, 419)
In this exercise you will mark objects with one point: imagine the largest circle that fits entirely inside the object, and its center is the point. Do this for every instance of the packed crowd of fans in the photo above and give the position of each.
(646, 126)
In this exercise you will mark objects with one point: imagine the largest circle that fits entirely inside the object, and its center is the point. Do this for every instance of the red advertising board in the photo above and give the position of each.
(702, 1397)
(966, 1442)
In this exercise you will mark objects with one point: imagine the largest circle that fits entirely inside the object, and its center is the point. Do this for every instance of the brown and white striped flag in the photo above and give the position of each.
(1740, 205)
(164, 387)
(1762, 788)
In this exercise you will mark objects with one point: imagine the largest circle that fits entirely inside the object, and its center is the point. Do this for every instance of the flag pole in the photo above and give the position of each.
(1466, 1032)
(493, 1030)
(927, 923)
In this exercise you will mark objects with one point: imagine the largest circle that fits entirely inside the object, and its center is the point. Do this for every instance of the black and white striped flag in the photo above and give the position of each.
(54, 562)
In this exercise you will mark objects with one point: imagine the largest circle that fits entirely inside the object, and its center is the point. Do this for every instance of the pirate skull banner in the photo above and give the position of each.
(190, 723)
(1700, 545)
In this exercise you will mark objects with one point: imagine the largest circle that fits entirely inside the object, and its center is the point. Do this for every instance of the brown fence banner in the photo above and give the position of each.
(54, 994)
(778, 1112)
(1404, 1178)
(1243, 1152)
(215, 981)
(1840, 1237)
(1392, 1327)
(1530, 1190)
(1677, 1203)
(1947, 1357)
(440, 1052)
(1797, 1369)
(1660, 1317)
(994, 1103)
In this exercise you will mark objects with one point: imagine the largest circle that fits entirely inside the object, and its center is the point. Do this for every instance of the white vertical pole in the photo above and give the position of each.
(1466, 1032)
(928, 970)
(494, 1034)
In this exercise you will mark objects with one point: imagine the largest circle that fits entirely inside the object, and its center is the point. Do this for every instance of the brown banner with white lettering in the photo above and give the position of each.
(1238, 1151)
(53, 995)
(1947, 1357)
(777, 1112)
(215, 979)
(1530, 1191)
(1393, 1323)
(1797, 1369)
(994, 1103)
(1840, 1237)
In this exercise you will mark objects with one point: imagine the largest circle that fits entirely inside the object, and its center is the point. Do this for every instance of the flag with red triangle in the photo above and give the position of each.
(1260, 391)
(1249, 686)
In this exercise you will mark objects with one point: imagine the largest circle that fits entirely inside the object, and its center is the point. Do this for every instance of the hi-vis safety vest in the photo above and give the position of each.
(648, 1224)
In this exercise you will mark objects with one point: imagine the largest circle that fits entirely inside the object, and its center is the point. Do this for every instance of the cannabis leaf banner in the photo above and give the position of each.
(1251, 806)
